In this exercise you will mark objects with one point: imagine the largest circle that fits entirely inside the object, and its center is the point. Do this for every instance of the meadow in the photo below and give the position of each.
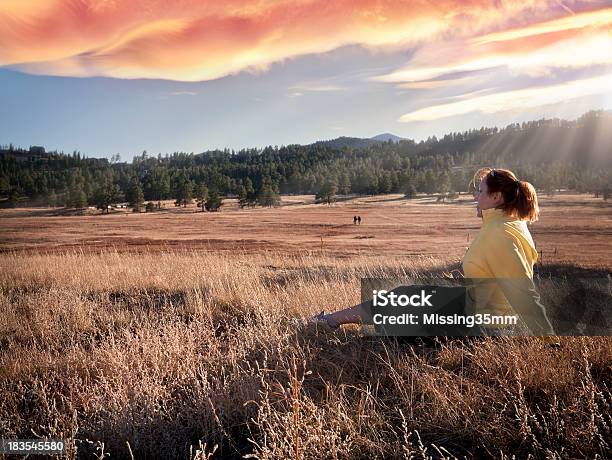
(179, 334)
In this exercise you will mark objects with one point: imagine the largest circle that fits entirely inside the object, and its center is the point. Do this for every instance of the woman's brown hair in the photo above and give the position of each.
(520, 199)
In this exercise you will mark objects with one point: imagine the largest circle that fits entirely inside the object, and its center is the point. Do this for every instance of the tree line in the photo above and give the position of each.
(550, 153)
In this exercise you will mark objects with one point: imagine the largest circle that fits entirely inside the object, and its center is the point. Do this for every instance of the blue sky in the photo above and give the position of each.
(555, 65)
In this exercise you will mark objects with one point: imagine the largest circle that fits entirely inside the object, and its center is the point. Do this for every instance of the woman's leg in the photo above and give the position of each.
(352, 315)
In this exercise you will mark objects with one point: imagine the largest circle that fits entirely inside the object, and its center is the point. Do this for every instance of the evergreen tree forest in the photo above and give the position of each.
(552, 154)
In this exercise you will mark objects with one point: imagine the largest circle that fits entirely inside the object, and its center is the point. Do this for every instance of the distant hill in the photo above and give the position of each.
(347, 142)
(386, 137)
(358, 142)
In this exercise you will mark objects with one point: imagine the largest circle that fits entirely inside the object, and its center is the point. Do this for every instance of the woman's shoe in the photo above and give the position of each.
(325, 319)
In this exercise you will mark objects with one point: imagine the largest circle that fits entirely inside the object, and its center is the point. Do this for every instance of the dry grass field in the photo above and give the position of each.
(172, 335)
(574, 228)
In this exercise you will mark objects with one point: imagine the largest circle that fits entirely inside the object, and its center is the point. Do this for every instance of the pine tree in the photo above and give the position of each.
(214, 201)
(328, 191)
(345, 184)
(106, 195)
(13, 198)
(384, 182)
(5, 184)
(134, 195)
(157, 185)
(201, 195)
(443, 184)
(251, 196)
(52, 198)
(429, 182)
(248, 185)
(410, 191)
(267, 197)
(184, 193)
(78, 199)
(242, 196)
(76, 196)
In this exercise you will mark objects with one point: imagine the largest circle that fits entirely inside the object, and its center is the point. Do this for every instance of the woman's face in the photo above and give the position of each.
(484, 200)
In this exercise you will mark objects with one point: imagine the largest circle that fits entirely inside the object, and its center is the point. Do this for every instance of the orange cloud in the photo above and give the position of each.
(581, 40)
(591, 19)
(192, 40)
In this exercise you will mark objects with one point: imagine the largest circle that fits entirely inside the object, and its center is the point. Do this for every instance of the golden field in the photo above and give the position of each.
(173, 335)
(574, 228)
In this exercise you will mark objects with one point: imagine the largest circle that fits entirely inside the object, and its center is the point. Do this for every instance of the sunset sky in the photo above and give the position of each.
(123, 76)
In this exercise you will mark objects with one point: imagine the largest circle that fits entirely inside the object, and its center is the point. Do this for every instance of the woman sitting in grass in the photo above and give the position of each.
(503, 250)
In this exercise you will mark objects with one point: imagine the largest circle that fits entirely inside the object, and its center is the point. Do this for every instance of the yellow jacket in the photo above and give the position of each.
(504, 250)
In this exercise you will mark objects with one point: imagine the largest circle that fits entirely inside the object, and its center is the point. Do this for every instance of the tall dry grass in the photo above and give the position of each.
(190, 355)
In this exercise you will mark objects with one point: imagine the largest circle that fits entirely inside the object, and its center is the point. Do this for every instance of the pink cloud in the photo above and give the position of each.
(193, 40)
(577, 41)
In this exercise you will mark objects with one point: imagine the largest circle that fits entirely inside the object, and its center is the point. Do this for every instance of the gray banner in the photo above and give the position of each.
(484, 307)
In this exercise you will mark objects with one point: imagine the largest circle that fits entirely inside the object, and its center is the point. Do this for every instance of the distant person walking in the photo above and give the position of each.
(503, 250)
(354, 220)
(359, 220)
